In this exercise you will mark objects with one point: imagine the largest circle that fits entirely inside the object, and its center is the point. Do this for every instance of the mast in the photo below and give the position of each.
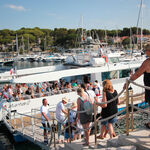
(138, 20)
(28, 44)
(22, 45)
(130, 39)
(17, 50)
(106, 37)
(142, 25)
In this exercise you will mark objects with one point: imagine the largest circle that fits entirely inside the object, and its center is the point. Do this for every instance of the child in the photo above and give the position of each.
(72, 122)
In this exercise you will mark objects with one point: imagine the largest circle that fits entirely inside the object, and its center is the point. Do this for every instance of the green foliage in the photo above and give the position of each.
(67, 38)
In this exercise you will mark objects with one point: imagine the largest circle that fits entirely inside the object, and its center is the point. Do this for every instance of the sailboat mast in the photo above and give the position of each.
(28, 44)
(17, 50)
(141, 24)
(22, 45)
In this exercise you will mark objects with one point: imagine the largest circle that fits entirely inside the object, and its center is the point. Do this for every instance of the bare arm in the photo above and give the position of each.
(103, 100)
(140, 71)
(45, 116)
(64, 111)
(118, 101)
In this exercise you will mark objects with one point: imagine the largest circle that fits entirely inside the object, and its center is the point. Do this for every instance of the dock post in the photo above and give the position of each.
(69, 125)
(95, 124)
(132, 110)
(127, 108)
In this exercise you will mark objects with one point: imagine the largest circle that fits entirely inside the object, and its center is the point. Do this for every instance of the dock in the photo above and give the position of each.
(137, 140)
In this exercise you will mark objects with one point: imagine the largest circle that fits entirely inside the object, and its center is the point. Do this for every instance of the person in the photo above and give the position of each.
(45, 117)
(144, 69)
(60, 115)
(85, 119)
(108, 109)
(72, 122)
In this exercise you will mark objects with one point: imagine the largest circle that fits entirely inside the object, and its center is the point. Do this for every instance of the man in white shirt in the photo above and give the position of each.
(60, 114)
(45, 117)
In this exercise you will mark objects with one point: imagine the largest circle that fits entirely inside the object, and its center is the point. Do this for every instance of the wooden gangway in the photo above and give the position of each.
(29, 127)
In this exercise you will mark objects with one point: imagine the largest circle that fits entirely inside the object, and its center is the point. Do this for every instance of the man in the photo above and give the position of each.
(60, 115)
(45, 117)
(144, 69)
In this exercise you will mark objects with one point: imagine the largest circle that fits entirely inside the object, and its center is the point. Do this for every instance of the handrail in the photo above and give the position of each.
(142, 86)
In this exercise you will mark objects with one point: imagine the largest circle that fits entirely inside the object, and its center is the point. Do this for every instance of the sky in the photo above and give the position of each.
(50, 14)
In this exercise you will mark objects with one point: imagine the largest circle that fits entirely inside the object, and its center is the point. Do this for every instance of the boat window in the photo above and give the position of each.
(124, 73)
(114, 60)
(109, 75)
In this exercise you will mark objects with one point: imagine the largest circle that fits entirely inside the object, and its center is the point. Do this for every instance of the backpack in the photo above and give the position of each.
(87, 106)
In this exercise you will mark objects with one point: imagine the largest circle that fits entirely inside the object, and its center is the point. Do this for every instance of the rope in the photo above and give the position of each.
(140, 110)
(135, 95)
(113, 99)
(118, 113)
(101, 103)
(142, 86)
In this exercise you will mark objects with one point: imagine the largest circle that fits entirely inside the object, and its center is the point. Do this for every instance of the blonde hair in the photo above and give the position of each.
(80, 90)
(107, 85)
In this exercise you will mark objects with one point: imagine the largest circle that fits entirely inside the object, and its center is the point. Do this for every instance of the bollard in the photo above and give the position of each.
(69, 125)
(95, 124)
(127, 108)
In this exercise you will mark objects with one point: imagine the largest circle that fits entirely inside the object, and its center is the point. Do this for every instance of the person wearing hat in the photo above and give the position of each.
(144, 69)
(72, 121)
(60, 115)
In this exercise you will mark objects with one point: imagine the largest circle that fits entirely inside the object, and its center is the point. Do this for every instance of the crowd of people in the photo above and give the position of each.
(83, 120)
(25, 91)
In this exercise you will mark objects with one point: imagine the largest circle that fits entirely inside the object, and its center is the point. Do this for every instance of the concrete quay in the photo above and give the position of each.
(136, 140)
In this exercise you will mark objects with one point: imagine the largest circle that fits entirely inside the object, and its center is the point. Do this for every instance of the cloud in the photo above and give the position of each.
(18, 8)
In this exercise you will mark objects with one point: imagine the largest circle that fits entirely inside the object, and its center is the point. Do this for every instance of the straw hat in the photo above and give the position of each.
(74, 104)
(65, 99)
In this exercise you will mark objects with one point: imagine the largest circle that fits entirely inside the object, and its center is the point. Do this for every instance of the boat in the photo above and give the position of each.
(117, 72)
(7, 61)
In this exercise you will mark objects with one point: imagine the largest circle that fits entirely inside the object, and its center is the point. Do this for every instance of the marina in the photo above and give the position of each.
(65, 86)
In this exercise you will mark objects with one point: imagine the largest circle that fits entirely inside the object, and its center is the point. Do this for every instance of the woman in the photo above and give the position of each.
(83, 117)
(144, 69)
(108, 109)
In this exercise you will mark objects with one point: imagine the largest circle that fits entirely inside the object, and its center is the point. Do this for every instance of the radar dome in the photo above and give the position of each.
(89, 38)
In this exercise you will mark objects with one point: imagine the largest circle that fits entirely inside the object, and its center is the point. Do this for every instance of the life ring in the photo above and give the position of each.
(105, 57)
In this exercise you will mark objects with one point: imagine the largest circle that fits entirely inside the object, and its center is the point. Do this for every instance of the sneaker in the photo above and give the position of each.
(46, 142)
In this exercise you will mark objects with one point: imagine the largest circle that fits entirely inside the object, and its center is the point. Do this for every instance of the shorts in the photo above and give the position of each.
(46, 127)
(113, 120)
(67, 135)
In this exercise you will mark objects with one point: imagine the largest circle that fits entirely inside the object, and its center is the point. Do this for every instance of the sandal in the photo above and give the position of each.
(147, 125)
(85, 144)
(100, 137)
